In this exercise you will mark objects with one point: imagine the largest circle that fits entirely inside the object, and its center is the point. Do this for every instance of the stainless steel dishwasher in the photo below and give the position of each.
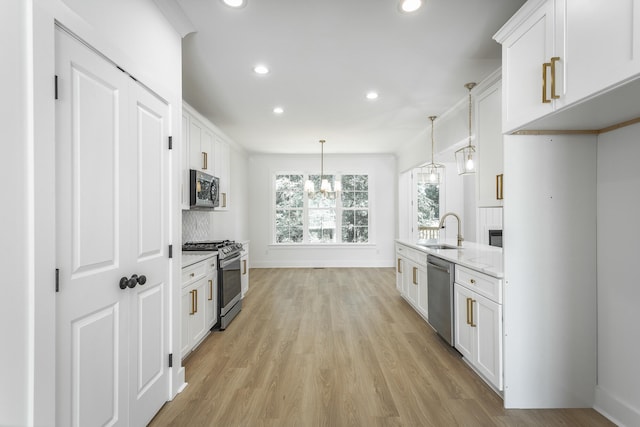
(440, 291)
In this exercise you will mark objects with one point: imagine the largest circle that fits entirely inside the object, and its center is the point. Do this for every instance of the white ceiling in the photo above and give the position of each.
(324, 56)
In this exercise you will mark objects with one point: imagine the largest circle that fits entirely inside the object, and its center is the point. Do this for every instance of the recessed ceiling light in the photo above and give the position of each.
(410, 5)
(261, 69)
(278, 110)
(235, 3)
(372, 95)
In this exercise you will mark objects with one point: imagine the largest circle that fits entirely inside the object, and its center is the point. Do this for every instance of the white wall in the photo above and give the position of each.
(550, 271)
(382, 194)
(618, 391)
(138, 37)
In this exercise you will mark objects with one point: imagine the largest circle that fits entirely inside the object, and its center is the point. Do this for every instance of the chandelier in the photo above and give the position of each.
(325, 186)
(466, 156)
(431, 173)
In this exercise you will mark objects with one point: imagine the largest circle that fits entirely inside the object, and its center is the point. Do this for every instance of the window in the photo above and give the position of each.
(289, 208)
(428, 204)
(427, 208)
(300, 218)
(355, 208)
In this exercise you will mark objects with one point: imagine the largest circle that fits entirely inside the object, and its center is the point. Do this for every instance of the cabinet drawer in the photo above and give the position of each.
(414, 255)
(194, 272)
(487, 286)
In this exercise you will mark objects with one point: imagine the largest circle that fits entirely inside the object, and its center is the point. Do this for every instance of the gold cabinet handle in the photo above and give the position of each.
(473, 281)
(244, 267)
(195, 307)
(204, 160)
(468, 311)
(210, 290)
(192, 303)
(473, 325)
(224, 200)
(192, 274)
(499, 195)
(415, 278)
(545, 66)
(553, 77)
(399, 269)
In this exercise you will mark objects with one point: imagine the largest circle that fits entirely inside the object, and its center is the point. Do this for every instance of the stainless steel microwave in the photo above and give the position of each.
(204, 190)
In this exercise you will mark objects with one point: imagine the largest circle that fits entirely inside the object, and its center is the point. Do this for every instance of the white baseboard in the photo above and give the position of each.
(284, 263)
(617, 411)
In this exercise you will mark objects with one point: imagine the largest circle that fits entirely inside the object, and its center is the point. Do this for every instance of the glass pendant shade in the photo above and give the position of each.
(431, 173)
(466, 160)
(466, 156)
(309, 187)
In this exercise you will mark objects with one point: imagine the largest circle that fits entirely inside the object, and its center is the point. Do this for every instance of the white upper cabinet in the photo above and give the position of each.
(532, 62)
(205, 149)
(602, 46)
(559, 53)
(489, 140)
(221, 168)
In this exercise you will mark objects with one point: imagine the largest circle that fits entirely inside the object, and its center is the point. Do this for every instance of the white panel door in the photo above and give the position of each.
(111, 223)
(148, 214)
(92, 312)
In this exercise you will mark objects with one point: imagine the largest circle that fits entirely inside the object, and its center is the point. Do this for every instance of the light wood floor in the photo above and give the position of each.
(338, 347)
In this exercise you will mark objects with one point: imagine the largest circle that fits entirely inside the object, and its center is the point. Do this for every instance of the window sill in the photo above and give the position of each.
(321, 245)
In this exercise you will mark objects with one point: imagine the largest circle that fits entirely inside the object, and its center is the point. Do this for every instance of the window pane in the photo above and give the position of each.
(362, 234)
(362, 200)
(361, 182)
(348, 199)
(428, 205)
(362, 218)
(348, 234)
(348, 218)
(322, 225)
(289, 191)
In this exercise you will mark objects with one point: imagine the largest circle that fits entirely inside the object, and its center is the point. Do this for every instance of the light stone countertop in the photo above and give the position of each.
(484, 258)
(192, 257)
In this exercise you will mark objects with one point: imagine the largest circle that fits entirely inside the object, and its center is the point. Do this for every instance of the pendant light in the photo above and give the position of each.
(466, 156)
(431, 173)
(325, 186)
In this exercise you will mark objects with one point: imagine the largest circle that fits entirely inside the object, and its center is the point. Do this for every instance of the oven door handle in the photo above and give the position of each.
(226, 262)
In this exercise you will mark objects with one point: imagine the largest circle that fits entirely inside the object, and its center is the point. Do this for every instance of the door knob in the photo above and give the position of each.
(133, 281)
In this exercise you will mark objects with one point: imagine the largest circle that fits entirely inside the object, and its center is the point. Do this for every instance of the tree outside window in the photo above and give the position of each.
(355, 208)
(428, 204)
(321, 218)
(289, 208)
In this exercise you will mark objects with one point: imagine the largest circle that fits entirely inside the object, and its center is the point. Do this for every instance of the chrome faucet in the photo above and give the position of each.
(441, 225)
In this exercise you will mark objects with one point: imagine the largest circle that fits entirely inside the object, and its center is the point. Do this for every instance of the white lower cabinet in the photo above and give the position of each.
(211, 301)
(478, 325)
(411, 278)
(244, 268)
(199, 305)
(193, 315)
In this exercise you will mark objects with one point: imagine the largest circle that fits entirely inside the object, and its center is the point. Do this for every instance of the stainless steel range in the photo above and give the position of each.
(229, 285)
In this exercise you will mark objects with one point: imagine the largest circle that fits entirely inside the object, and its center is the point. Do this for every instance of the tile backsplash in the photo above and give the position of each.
(196, 226)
